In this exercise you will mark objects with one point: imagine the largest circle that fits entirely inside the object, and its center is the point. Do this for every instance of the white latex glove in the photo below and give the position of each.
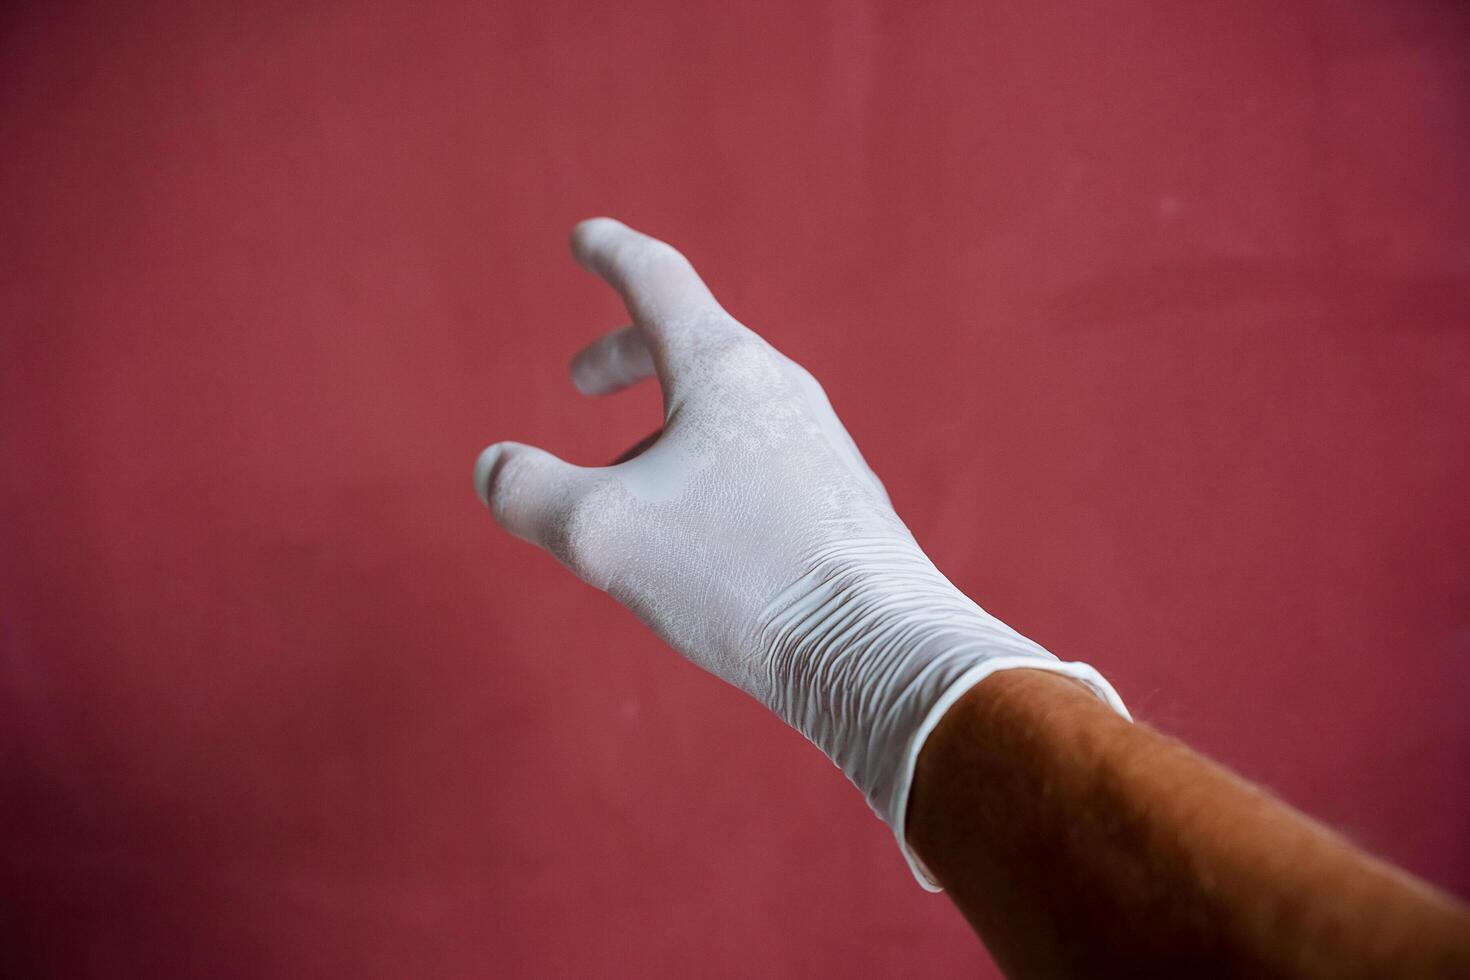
(752, 536)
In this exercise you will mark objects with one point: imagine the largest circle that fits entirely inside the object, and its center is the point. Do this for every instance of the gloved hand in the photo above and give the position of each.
(752, 536)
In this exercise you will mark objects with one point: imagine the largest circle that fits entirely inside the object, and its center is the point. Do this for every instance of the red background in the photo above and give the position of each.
(1151, 316)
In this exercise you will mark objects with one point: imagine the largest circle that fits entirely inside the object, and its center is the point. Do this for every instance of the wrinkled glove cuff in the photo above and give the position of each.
(866, 656)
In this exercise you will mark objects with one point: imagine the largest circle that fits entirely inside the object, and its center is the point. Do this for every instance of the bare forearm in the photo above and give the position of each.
(1078, 844)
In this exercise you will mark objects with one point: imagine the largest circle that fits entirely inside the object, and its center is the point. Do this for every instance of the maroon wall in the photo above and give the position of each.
(1153, 318)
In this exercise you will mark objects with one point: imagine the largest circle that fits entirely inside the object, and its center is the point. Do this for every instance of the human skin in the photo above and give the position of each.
(1078, 844)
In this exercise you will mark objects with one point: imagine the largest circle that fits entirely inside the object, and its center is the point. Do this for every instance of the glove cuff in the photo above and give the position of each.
(866, 657)
(896, 815)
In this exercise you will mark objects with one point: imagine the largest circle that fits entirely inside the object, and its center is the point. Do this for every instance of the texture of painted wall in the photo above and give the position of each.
(1152, 316)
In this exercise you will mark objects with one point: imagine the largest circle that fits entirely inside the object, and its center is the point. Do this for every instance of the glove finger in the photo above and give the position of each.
(655, 280)
(530, 492)
(667, 299)
(613, 362)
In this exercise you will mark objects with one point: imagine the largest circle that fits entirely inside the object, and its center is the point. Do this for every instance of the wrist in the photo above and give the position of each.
(864, 661)
(857, 653)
